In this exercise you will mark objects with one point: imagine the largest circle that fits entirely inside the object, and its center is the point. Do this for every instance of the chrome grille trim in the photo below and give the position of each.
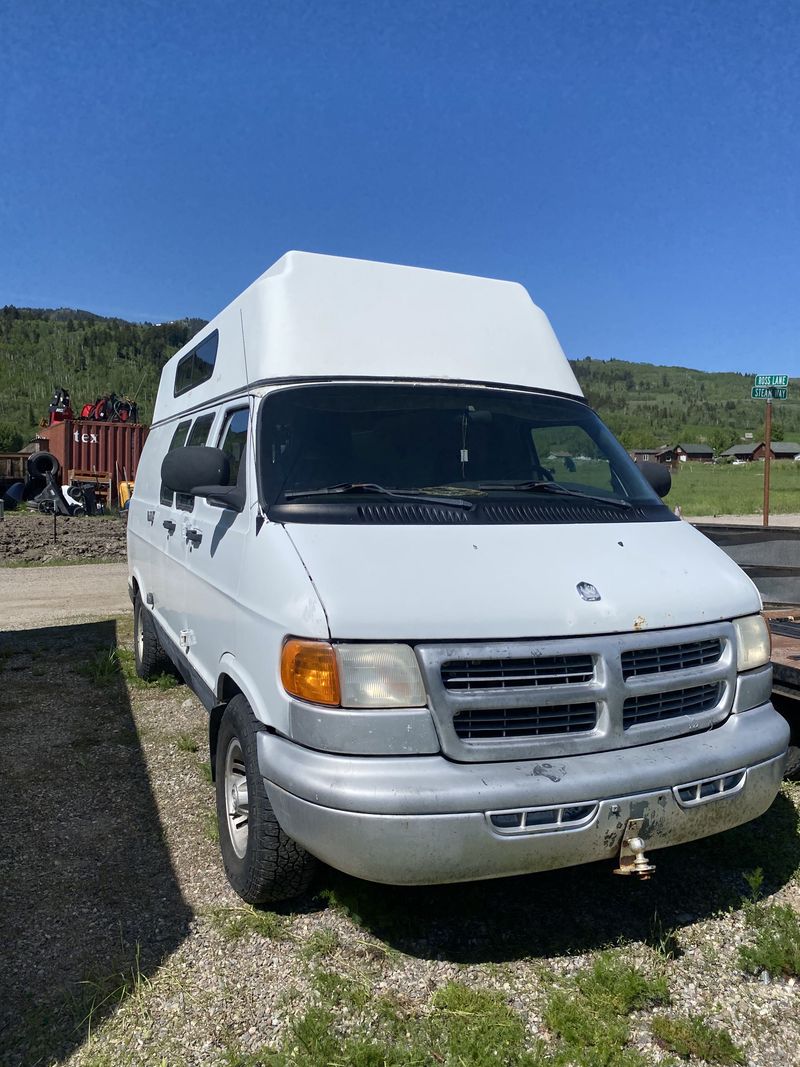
(510, 673)
(464, 683)
(665, 658)
(476, 724)
(653, 707)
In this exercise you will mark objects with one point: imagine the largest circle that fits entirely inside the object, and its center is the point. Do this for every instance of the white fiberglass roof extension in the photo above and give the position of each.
(321, 317)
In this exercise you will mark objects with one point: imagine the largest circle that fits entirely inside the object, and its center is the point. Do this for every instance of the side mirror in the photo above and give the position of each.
(657, 474)
(201, 471)
(183, 469)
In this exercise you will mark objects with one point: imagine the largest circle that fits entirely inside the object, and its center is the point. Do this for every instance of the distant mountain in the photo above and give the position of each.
(644, 404)
(87, 354)
(648, 405)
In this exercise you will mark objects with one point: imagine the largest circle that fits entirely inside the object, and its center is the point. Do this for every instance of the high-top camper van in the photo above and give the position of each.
(444, 627)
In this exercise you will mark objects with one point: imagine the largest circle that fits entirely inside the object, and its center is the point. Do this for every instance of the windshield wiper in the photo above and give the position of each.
(371, 487)
(553, 487)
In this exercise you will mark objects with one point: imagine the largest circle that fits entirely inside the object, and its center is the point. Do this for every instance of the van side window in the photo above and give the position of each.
(198, 436)
(234, 442)
(197, 366)
(178, 441)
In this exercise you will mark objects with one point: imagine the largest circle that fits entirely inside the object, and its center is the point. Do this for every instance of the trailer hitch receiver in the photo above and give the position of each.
(632, 859)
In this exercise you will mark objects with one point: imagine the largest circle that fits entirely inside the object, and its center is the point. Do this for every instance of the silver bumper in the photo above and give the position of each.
(424, 819)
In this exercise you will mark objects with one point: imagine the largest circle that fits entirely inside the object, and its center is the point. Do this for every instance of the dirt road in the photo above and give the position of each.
(32, 597)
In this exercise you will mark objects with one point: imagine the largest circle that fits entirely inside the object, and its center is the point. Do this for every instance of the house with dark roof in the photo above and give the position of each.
(695, 453)
(757, 450)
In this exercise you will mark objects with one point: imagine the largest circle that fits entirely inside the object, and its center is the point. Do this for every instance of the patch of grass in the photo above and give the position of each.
(186, 743)
(103, 667)
(127, 664)
(320, 944)
(234, 923)
(211, 827)
(776, 943)
(663, 939)
(205, 772)
(590, 1014)
(694, 1037)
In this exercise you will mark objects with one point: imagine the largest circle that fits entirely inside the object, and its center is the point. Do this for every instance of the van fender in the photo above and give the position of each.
(231, 676)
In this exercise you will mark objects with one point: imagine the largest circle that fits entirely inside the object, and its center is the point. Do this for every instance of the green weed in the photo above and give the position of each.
(102, 668)
(320, 944)
(234, 923)
(211, 827)
(186, 743)
(776, 942)
(205, 772)
(694, 1037)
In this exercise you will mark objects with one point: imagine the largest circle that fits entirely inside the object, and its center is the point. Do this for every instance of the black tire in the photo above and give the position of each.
(263, 864)
(792, 771)
(41, 464)
(149, 657)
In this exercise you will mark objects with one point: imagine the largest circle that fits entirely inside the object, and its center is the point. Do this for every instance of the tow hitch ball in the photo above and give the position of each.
(632, 859)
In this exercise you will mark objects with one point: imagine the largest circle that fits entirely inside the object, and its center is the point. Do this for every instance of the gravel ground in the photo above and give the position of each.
(115, 914)
(27, 538)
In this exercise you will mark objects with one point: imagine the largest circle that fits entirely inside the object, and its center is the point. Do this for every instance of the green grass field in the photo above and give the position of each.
(707, 489)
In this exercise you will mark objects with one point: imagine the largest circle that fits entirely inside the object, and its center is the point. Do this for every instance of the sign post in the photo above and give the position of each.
(767, 454)
(768, 387)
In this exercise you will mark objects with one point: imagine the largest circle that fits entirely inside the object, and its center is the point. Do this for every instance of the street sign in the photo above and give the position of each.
(771, 379)
(768, 392)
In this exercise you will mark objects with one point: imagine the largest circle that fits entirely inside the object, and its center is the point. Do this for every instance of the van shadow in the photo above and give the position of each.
(89, 901)
(580, 909)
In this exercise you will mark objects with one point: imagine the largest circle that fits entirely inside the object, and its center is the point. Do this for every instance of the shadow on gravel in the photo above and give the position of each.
(89, 903)
(577, 910)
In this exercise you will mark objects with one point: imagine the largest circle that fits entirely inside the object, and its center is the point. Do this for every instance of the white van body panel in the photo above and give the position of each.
(445, 583)
(630, 705)
(312, 316)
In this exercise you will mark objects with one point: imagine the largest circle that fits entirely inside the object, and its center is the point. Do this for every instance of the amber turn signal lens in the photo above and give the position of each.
(309, 671)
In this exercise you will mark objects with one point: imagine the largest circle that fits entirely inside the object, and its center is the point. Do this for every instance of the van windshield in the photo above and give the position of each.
(330, 444)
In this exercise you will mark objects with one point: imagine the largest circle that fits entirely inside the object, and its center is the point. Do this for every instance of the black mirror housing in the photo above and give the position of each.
(183, 469)
(657, 474)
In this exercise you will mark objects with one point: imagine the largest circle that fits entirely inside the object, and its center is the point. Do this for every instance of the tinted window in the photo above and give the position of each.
(178, 441)
(477, 442)
(234, 441)
(197, 366)
(198, 436)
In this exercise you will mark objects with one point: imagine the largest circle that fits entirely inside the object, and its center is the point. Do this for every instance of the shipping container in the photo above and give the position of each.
(111, 448)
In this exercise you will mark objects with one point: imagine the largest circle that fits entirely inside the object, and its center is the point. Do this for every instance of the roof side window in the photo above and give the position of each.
(178, 441)
(197, 436)
(197, 366)
(234, 443)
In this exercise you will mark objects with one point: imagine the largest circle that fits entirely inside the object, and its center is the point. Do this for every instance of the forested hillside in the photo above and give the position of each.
(41, 349)
(645, 405)
(648, 405)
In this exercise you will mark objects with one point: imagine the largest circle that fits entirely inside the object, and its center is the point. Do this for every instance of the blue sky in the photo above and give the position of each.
(636, 165)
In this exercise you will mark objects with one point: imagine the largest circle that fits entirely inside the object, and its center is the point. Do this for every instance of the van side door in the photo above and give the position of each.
(217, 555)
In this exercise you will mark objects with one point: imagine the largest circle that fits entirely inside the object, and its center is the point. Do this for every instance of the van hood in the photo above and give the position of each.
(417, 583)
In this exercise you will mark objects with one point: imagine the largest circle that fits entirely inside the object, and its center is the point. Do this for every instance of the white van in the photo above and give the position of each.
(444, 627)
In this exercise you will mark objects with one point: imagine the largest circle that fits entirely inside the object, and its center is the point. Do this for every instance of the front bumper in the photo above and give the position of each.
(418, 820)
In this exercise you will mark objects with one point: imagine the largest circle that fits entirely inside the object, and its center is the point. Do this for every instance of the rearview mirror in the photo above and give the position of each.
(183, 469)
(657, 474)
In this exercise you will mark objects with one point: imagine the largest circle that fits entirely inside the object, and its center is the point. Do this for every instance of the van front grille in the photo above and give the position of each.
(477, 724)
(652, 707)
(552, 698)
(476, 674)
(670, 657)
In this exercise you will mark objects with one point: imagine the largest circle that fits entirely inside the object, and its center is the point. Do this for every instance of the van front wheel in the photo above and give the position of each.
(262, 863)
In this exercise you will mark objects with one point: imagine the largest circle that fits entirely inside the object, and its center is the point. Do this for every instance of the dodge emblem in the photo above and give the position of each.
(587, 591)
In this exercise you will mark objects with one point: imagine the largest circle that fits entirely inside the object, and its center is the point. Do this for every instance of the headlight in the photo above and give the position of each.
(752, 642)
(379, 676)
(351, 675)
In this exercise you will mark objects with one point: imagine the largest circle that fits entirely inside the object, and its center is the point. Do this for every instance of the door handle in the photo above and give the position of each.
(169, 526)
(194, 537)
